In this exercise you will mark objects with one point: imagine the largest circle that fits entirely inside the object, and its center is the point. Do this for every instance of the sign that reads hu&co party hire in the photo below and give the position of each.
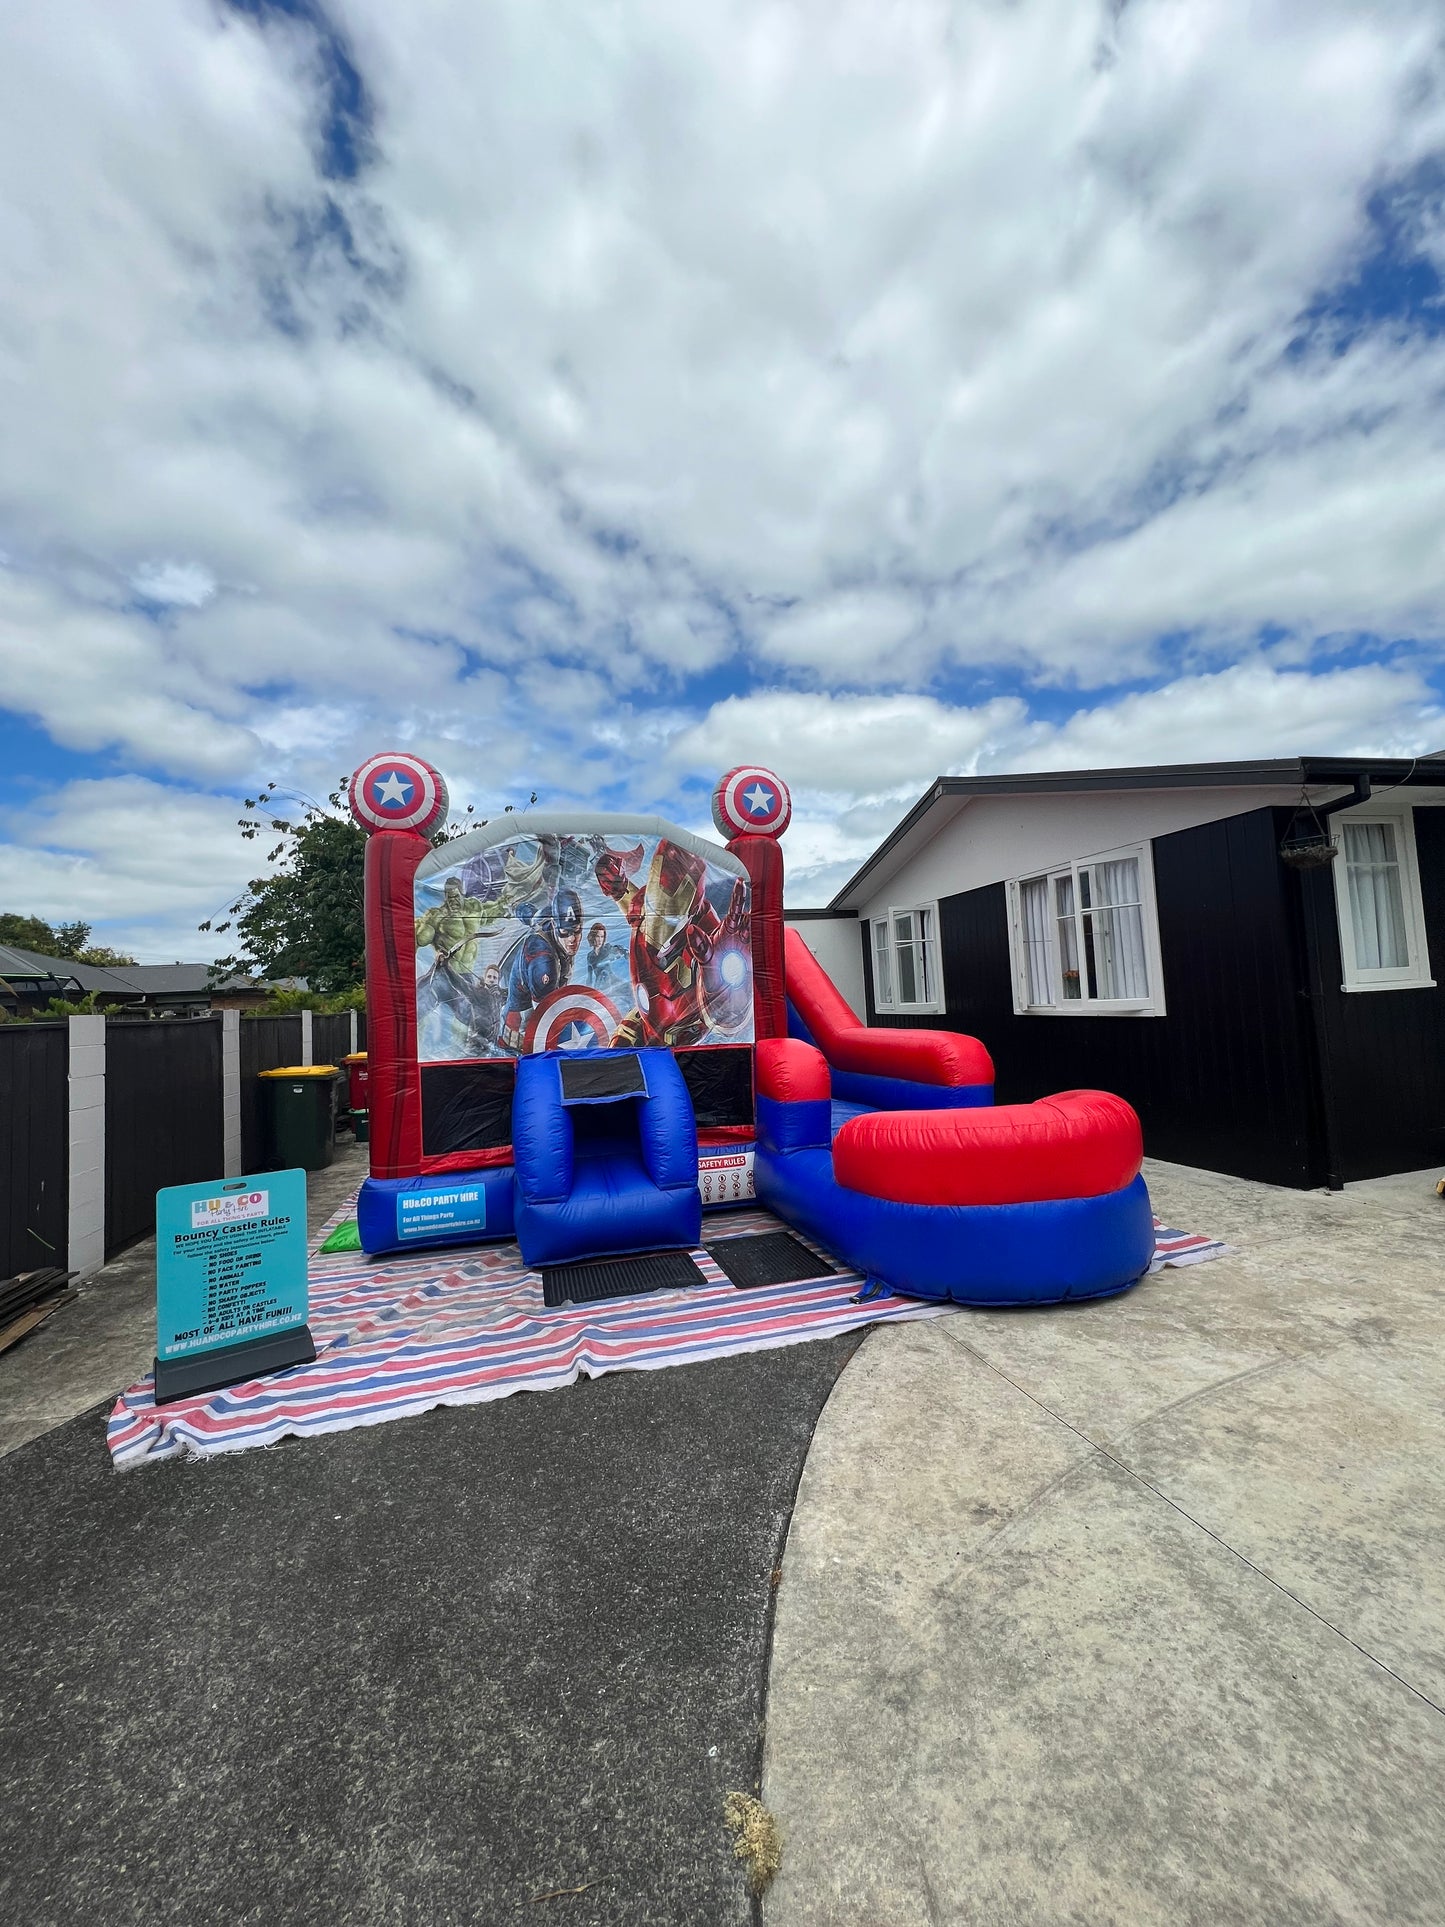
(231, 1292)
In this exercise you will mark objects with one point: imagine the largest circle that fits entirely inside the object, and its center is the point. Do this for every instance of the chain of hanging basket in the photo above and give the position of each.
(1307, 843)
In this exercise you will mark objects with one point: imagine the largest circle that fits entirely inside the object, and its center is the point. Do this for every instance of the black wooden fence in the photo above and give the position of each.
(164, 1121)
(34, 1146)
(330, 1038)
(266, 1044)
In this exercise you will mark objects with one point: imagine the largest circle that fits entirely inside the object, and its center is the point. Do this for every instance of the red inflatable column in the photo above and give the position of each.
(397, 800)
(751, 808)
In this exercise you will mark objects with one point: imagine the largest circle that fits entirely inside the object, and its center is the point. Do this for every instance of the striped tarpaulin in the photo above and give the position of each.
(400, 1335)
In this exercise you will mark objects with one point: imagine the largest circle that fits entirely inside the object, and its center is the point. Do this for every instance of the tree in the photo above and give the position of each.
(68, 940)
(306, 918)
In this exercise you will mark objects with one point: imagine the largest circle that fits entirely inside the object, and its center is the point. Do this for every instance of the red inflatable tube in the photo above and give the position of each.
(1080, 1144)
(789, 1070)
(924, 1056)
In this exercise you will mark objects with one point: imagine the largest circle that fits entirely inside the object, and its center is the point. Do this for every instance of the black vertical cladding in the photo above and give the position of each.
(1384, 1049)
(1225, 1079)
(34, 1146)
(163, 1117)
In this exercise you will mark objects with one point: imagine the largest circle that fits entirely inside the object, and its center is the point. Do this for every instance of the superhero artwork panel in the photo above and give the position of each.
(615, 930)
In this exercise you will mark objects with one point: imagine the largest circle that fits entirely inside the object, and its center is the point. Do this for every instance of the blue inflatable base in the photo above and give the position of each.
(981, 1254)
(412, 1214)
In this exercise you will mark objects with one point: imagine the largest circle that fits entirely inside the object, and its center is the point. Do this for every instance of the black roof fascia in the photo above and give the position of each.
(809, 916)
(1280, 770)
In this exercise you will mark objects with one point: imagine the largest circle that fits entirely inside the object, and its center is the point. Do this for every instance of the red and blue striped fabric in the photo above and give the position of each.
(402, 1335)
(1183, 1247)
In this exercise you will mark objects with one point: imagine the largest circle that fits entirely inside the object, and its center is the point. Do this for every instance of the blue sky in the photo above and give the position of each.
(591, 399)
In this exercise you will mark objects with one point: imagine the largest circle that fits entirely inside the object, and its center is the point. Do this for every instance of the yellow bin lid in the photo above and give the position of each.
(301, 1070)
(354, 1057)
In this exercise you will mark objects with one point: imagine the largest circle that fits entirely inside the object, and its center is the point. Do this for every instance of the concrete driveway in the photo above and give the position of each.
(1133, 1613)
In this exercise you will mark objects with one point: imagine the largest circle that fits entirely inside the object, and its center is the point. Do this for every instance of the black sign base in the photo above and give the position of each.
(230, 1364)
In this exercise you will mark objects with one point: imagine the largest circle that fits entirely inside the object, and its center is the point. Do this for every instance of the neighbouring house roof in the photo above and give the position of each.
(28, 966)
(1284, 772)
(131, 982)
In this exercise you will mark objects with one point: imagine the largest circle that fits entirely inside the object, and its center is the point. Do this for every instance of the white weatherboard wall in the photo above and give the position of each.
(85, 1229)
(837, 943)
(995, 838)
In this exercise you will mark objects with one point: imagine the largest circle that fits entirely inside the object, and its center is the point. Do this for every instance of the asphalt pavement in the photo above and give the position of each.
(493, 1664)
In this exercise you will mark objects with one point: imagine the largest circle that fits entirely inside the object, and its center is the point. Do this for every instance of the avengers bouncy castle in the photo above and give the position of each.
(585, 1030)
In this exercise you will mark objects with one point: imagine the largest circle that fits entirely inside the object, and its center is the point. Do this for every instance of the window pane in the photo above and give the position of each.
(1068, 936)
(907, 974)
(927, 971)
(1377, 898)
(1118, 929)
(1038, 963)
(882, 974)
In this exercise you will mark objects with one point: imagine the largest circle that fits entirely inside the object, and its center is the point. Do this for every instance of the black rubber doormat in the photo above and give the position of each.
(768, 1258)
(618, 1277)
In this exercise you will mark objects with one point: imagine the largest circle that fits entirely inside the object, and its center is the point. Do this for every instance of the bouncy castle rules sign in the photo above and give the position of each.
(231, 1294)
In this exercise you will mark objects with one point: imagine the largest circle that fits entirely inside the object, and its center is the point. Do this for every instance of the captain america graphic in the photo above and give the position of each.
(540, 961)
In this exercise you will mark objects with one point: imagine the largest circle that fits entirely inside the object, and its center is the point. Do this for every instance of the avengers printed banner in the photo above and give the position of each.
(625, 931)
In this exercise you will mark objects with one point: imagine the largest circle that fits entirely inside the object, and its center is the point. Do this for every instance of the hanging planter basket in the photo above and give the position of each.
(1307, 843)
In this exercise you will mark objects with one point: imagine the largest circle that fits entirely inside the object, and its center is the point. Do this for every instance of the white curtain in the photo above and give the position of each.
(1377, 901)
(1034, 915)
(1068, 937)
(1121, 959)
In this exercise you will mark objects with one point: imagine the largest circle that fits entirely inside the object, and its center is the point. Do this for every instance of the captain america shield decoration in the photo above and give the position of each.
(398, 792)
(575, 1017)
(751, 801)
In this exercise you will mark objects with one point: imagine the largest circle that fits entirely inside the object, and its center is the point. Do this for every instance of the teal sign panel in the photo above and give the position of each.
(230, 1262)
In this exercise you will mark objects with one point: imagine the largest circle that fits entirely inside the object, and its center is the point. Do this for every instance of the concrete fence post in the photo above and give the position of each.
(231, 1093)
(352, 1015)
(85, 1227)
(306, 1057)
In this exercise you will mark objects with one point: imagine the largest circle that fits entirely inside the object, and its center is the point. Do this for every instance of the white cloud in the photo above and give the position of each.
(849, 745)
(826, 347)
(858, 763)
(184, 583)
(142, 862)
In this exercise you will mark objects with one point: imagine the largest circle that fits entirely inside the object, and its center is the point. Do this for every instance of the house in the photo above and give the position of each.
(29, 980)
(1140, 930)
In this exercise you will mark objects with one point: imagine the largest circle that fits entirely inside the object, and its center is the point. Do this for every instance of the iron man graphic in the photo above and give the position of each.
(691, 968)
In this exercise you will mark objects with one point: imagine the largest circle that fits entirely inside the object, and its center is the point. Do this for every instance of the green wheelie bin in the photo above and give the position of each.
(300, 1112)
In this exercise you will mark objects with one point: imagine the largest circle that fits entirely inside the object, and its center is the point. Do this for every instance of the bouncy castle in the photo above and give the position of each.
(586, 1030)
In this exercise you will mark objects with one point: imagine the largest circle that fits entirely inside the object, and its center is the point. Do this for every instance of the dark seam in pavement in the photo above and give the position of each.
(770, 1619)
(1243, 1558)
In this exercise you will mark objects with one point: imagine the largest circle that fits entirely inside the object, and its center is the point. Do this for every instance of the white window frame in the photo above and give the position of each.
(1415, 974)
(885, 992)
(1085, 1006)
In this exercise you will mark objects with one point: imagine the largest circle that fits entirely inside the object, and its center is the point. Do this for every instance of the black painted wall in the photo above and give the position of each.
(1383, 1051)
(1226, 1080)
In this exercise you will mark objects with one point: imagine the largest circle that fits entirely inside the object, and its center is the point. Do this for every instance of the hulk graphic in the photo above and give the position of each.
(456, 925)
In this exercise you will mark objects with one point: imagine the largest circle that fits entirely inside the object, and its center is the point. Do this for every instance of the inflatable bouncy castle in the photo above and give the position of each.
(586, 1030)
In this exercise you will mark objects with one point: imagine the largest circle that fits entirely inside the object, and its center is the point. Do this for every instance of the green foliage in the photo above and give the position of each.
(85, 1006)
(281, 1002)
(28, 933)
(68, 940)
(306, 917)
